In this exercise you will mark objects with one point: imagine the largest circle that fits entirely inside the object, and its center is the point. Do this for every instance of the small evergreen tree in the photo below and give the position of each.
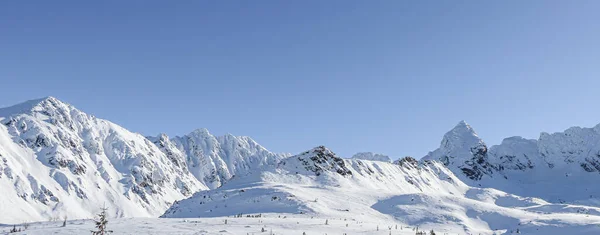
(431, 232)
(101, 223)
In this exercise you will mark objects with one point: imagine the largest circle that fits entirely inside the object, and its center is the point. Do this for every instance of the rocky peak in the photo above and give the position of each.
(46, 105)
(462, 148)
(200, 132)
(372, 157)
(317, 160)
(462, 138)
(408, 162)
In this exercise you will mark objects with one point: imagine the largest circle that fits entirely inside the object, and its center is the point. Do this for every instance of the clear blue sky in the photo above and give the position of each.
(383, 76)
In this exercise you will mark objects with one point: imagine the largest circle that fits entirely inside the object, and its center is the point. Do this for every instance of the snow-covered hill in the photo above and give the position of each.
(319, 184)
(56, 160)
(559, 167)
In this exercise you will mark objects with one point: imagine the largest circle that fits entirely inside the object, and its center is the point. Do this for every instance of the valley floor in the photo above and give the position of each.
(272, 224)
(283, 224)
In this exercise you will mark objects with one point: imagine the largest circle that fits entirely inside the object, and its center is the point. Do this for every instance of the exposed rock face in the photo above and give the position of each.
(317, 161)
(407, 161)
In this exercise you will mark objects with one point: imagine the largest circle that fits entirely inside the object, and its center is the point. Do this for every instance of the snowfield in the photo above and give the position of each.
(286, 224)
(57, 162)
(282, 224)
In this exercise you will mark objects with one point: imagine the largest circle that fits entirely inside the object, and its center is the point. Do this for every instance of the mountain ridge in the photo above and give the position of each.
(70, 163)
(56, 160)
(526, 163)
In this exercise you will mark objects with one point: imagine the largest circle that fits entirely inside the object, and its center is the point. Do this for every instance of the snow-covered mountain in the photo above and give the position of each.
(372, 157)
(317, 183)
(56, 160)
(215, 159)
(559, 167)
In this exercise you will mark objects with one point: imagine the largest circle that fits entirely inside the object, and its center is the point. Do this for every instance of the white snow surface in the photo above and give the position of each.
(57, 161)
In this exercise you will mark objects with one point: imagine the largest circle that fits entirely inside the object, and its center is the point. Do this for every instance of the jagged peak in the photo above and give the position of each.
(230, 136)
(372, 157)
(318, 160)
(462, 134)
(516, 139)
(463, 126)
(163, 137)
(319, 149)
(407, 161)
(460, 142)
(200, 132)
(33, 105)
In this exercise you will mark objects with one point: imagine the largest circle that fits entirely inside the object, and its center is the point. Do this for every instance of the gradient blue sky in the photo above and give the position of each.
(383, 76)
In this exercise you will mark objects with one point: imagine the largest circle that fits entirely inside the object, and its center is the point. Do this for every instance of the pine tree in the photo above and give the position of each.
(101, 223)
(432, 232)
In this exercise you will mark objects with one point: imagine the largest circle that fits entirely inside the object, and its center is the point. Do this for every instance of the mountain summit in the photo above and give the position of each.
(462, 149)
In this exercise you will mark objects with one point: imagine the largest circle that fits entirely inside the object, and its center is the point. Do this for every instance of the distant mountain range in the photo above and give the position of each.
(58, 161)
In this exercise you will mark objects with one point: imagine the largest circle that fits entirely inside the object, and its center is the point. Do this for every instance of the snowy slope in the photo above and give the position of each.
(65, 162)
(559, 167)
(57, 160)
(271, 224)
(319, 184)
(313, 183)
